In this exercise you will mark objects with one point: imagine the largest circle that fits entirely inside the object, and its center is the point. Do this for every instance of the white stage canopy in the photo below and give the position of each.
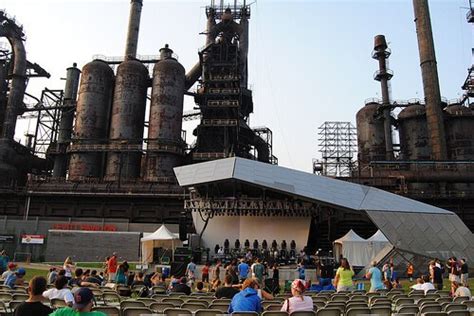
(360, 251)
(353, 247)
(162, 237)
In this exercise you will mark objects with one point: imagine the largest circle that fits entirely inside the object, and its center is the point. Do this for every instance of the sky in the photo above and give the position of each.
(309, 61)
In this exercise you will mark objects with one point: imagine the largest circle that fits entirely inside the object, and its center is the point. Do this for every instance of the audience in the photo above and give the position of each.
(10, 271)
(52, 275)
(298, 302)
(33, 306)
(182, 287)
(139, 279)
(60, 291)
(375, 276)
(200, 287)
(94, 278)
(427, 285)
(83, 302)
(246, 300)
(418, 286)
(226, 291)
(16, 278)
(344, 274)
(80, 279)
(458, 289)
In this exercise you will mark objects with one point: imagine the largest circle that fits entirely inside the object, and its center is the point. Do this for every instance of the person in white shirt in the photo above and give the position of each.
(60, 291)
(460, 290)
(427, 285)
(298, 302)
(418, 285)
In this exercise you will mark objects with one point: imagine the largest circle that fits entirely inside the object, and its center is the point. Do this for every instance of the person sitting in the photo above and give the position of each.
(226, 291)
(10, 271)
(182, 287)
(80, 279)
(387, 285)
(83, 302)
(33, 305)
(396, 284)
(93, 278)
(139, 279)
(52, 275)
(298, 302)
(418, 286)
(60, 291)
(427, 285)
(216, 284)
(16, 278)
(200, 287)
(246, 300)
(458, 290)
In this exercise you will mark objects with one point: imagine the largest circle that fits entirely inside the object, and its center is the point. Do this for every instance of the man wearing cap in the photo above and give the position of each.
(10, 271)
(83, 302)
(15, 278)
(33, 305)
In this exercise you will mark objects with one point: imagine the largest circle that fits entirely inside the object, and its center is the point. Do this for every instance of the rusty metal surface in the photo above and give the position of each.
(370, 134)
(66, 121)
(133, 28)
(128, 118)
(92, 113)
(459, 132)
(166, 112)
(413, 131)
(429, 72)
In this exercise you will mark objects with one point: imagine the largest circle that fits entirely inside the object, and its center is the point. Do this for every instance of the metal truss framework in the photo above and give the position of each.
(338, 147)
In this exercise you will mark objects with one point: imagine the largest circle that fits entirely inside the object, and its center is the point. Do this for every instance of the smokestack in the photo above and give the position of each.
(429, 72)
(381, 53)
(133, 28)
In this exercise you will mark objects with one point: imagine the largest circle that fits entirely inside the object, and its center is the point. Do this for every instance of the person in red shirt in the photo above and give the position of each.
(112, 267)
(205, 272)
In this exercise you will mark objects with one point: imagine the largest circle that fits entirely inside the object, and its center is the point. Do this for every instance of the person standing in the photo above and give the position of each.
(68, 267)
(33, 306)
(205, 272)
(464, 273)
(112, 267)
(301, 271)
(410, 271)
(453, 269)
(217, 271)
(387, 272)
(344, 274)
(298, 302)
(375, 276)
(257, 270)
(243, 269)
(191, 270)
(436, 276)
(83, 302)
(3, 261)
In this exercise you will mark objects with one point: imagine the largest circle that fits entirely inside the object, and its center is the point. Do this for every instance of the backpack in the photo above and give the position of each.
(144, 292)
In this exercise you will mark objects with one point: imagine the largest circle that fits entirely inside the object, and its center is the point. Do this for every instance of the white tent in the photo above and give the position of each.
(376, 243)
(162, 237)
(353, 247)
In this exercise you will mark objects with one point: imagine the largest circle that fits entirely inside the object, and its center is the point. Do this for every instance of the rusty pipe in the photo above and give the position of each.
(18, 81)
(133, 28)
(429, 72)
(244, 49)
(193, 75)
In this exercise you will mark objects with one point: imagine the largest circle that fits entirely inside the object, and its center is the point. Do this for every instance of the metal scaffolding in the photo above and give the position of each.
(338, 147)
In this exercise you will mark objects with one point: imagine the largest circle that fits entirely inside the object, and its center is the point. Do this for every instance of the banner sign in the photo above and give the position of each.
(32, 239)
(85, 227)
(7, 238)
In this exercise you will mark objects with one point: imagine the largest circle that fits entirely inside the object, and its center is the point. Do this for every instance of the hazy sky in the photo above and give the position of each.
(310, 61)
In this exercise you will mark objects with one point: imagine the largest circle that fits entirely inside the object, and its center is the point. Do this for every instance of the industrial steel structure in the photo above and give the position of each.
(89, 150)
(433, 159)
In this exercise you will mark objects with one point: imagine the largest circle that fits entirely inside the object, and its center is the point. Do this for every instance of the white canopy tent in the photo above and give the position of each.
(162, 237)
(376, 243)
(353, 247)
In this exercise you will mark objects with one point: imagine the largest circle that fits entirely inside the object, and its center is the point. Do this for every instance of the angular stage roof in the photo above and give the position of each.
(409, 225)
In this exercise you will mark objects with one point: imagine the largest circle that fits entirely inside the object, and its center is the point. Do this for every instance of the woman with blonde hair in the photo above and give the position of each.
(68, 268)
(298, 302)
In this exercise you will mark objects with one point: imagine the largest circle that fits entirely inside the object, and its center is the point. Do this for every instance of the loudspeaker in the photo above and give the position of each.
(178, 269)
(183, 234)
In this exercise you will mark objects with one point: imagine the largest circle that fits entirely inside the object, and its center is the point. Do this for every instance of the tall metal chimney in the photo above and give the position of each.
(133, 28)
(429, 72)
(381, 53)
